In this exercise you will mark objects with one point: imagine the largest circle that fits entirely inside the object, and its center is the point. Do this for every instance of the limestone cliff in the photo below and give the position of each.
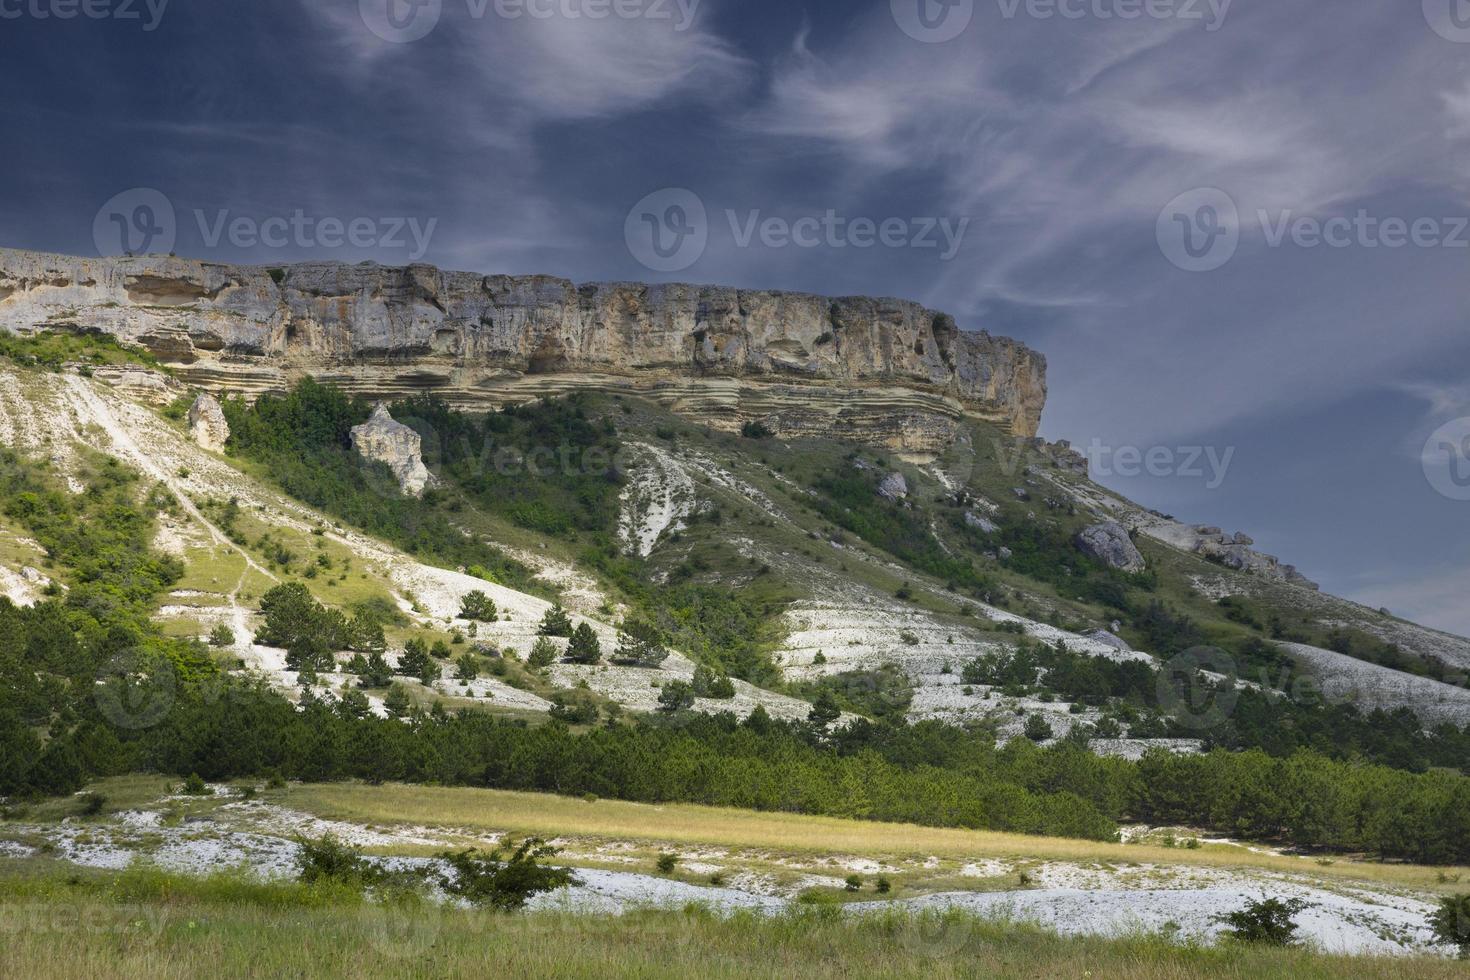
(884, 370)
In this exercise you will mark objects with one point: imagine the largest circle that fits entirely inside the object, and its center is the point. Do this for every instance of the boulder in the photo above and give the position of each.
(893, 487)
(394, 444)
(1110, 544)
(1109, 639)
(207, 423)
(982, 524)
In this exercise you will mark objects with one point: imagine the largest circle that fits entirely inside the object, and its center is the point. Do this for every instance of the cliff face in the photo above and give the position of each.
(885, 370)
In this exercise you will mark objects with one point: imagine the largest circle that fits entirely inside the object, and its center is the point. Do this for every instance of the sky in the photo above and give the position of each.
(1237, 230)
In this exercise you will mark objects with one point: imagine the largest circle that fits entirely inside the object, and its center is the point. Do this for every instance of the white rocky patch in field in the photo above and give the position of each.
(1334, 923)
(1075, 898)
(659, 498)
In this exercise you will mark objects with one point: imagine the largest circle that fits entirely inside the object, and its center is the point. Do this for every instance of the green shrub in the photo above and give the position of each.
(477, 607)
(676, 696)
(640, 644)
(1268, 921)
(504, 883)
(584, 647)
(543, 653)
(556, 622)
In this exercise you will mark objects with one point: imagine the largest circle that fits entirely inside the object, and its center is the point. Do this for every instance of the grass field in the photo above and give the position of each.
(550, 816)
(147, 924)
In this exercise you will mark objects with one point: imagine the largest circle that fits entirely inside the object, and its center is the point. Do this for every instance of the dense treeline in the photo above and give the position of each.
(928, 774)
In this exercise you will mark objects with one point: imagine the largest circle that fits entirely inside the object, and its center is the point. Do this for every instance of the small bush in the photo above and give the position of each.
(1267, 922)
(194, 785)
(543, 653)
(328, 859)
(676, 696)
(666, 863)
(221, 636)
(504, 883)
(854, 883)
(883, 885)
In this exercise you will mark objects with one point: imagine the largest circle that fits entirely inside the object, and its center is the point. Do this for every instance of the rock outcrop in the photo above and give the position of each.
(885, 371)
(1225, 549)
(893, 487)
(1110, 544)
(207, 423)
(382, 440)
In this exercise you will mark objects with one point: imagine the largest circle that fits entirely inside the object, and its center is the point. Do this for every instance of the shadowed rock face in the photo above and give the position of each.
(885, 370)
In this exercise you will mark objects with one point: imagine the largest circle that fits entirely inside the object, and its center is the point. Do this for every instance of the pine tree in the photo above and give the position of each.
(640, 644)
(584, 648)
(543, 654)
(556, 622)
(396, 701)
(478, 607)
(824, 710)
